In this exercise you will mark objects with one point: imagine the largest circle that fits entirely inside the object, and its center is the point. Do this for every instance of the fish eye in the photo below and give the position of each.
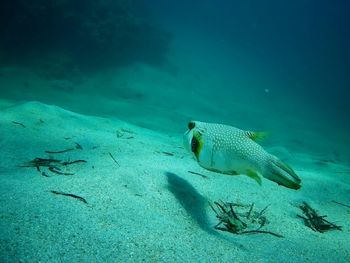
(191, 125)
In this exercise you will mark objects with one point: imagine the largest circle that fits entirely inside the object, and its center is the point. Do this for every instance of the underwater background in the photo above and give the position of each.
(245, 63)
(275, 66)
(259, 65)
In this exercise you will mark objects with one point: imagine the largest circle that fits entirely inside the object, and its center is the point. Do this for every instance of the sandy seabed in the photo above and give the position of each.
(144, 205)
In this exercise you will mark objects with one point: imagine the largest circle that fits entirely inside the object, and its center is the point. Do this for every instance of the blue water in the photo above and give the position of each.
(296, 52)
(278, 66)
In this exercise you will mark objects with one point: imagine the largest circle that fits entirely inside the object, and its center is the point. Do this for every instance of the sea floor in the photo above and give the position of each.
(133, 196)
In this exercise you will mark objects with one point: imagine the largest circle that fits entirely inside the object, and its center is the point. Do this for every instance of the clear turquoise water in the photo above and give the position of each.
(278, 66)
(271, 65)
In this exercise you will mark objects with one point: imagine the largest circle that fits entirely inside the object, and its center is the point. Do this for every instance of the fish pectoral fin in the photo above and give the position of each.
(257, 136)
(254, 175)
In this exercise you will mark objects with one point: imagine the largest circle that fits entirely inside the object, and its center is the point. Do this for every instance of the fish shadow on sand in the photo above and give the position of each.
(193, 202)
(195, 205)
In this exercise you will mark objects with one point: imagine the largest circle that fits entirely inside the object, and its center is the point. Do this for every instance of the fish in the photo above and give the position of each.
(228, 150)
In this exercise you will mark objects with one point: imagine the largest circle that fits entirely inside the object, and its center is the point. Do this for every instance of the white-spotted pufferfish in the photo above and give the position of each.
(228, 150)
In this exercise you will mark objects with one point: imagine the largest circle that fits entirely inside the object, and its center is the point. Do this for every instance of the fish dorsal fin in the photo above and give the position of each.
(256, 136)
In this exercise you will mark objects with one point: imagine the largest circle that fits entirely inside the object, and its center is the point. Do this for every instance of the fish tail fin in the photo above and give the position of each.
(281, 173)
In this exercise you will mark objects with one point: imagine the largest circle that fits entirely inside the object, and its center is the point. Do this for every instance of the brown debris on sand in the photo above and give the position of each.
(201, 175)
(19, 123)
(240, 219)
(114, 160)
(53, 165)
(314, 221)
(82, 199)
(345, 205)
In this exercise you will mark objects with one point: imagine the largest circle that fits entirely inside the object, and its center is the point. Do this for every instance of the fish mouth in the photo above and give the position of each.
(192, 138)
(188, 135)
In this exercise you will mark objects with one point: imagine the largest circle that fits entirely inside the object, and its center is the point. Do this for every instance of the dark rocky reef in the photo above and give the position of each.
(89, 34)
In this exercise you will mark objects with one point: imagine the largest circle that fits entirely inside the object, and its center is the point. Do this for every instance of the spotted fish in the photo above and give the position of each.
(228, 150)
